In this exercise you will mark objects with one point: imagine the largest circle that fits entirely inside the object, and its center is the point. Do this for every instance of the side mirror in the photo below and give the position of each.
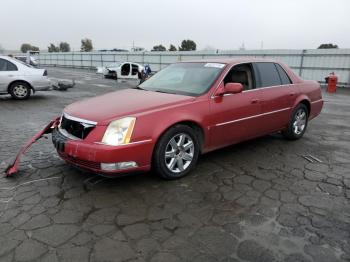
(230, 88)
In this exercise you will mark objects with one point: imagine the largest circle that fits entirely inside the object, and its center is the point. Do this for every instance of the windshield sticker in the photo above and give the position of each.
(216, 65)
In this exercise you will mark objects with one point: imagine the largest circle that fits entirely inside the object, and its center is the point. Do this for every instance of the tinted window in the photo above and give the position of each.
(11, 67)
(268, 75)
(135, 69)
(3, 65)
(284, 77)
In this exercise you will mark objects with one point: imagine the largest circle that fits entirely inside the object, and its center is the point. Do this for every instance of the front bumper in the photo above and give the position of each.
(90, 155)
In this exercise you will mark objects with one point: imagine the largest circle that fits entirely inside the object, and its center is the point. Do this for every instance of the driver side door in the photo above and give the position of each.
(234, 116)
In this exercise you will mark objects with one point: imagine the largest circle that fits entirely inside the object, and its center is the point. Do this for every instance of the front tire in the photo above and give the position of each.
(19, 90)
(176, 152)
(297, 124)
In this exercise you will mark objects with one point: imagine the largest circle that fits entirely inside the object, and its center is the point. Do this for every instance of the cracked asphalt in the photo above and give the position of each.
(256, 201)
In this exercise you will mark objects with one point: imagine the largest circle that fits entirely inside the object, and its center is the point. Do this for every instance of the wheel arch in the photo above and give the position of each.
(192, 124)
(20, 81)
(303, 100)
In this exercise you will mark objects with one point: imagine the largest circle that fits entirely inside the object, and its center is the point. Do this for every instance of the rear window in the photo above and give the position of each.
(3, 65)
(11, 66)
(7, 66)
(268, 74)
(284, 77)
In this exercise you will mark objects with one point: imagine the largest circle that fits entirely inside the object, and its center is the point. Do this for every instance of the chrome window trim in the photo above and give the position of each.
(253, 116)
(80, 120)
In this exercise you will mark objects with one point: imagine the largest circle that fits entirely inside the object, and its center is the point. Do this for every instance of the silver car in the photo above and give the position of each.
(20, 80)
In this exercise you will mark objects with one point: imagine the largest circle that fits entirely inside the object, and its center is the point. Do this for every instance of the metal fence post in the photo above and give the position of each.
(160, 61)
(302, 62)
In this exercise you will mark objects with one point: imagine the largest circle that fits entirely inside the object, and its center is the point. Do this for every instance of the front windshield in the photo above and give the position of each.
(184, 78)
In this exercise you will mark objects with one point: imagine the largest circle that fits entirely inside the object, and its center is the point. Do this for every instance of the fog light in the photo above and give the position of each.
(118, 166)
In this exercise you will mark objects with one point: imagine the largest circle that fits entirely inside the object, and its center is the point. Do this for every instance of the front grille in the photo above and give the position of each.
(80, 162)
(76, 128)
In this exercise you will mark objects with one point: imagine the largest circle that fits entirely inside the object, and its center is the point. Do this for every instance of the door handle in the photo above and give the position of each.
(255, 101)
(292, 94)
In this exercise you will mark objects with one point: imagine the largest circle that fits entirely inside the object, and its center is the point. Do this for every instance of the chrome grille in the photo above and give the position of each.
(78, 129)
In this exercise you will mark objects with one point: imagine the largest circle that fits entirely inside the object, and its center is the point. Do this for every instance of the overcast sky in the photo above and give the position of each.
(221, 24)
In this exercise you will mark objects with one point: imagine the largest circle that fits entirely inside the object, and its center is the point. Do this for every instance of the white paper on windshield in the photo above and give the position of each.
(216, 65)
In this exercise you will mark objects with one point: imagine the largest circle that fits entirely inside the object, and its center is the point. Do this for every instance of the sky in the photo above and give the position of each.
(212, 24)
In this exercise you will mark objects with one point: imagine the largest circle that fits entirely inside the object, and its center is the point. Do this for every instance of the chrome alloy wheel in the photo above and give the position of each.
(179, 153)
(299, 123)
(20, 91)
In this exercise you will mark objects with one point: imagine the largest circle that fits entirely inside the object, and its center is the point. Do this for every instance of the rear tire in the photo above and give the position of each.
(19, 90)
(297, 124)
(176, 152)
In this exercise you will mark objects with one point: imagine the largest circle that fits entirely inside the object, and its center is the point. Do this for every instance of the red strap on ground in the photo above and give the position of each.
(13, 168)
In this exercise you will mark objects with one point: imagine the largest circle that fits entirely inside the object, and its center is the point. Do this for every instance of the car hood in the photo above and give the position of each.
(128, 102)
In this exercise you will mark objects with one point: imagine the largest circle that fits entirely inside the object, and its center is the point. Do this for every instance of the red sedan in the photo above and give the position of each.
(186, 109)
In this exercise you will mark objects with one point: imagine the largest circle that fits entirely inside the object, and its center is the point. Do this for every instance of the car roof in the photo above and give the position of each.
(226, 60)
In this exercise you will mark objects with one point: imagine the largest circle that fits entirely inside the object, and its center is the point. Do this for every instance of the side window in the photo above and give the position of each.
(284, 77)
(268, 74)
(3, 65)
(243, 74)
(135, 69)
(11, 66)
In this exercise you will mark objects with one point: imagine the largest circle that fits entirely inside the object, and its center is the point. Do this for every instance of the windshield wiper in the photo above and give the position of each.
(164, 92)
(140, 88)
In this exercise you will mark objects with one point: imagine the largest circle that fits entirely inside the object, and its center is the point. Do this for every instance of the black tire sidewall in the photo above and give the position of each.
(159, 165)
(16, 97)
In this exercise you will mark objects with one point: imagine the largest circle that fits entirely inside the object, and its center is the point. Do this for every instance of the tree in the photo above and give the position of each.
(327, 46)
(28, 47)
(86, 45)
(158, 48)
(187, 45)
(172, 48)
(52, 48)
(65, 47)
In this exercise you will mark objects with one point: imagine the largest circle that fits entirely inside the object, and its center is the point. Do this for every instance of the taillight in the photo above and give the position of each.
(45, 73)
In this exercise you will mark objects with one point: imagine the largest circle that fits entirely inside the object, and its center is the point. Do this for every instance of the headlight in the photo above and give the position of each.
(119, 131)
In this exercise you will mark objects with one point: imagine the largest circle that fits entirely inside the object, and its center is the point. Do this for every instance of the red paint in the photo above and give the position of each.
(248, 114)
(224, 120)
(13, 167)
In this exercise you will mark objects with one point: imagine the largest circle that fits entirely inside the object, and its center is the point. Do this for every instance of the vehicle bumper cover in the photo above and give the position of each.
(89, 156)
(13, 167)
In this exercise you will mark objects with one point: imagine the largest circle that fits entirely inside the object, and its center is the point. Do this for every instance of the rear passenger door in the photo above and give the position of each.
(8, 71)
(277, 95)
